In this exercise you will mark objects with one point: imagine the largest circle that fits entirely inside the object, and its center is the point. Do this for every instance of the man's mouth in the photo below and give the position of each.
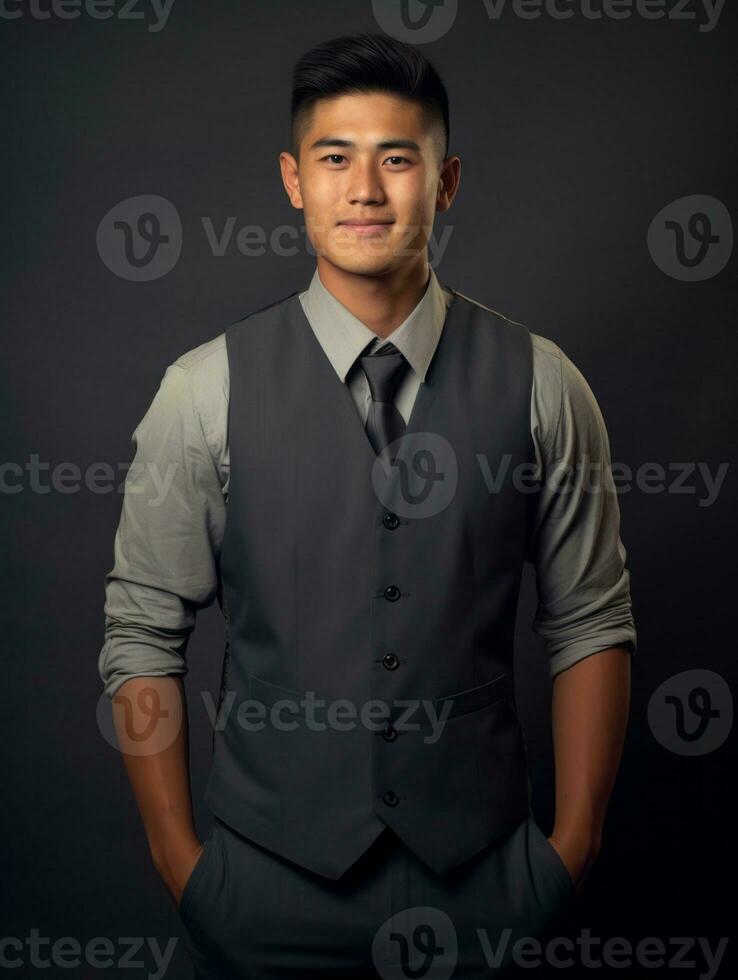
(362, 226)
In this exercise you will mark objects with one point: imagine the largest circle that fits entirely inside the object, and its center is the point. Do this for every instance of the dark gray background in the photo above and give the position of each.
(573, 135)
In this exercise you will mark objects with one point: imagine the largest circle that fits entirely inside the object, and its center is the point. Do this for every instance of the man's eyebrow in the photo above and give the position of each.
(391, 144)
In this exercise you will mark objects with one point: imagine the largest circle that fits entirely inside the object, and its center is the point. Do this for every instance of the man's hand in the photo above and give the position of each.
(175, 864)
(578, 857)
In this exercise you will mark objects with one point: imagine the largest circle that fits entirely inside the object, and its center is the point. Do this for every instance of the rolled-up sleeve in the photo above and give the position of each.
(169, 534)
(584, 602)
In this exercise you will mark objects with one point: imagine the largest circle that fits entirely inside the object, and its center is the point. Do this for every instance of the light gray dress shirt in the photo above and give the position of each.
(174, 506)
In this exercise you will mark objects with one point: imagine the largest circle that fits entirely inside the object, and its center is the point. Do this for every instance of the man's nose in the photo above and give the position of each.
(365, 185)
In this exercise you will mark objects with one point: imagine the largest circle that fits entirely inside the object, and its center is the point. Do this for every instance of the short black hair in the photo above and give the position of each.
(366, 63)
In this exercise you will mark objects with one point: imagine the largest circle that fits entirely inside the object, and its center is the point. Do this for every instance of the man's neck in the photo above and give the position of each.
(383, 302)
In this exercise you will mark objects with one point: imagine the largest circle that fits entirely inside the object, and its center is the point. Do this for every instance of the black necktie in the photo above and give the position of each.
(384, 370)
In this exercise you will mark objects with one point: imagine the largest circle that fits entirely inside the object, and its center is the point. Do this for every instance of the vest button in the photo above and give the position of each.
(392, 593)
(391, 798)
(389, 734)
(390, 521)
(390, 661)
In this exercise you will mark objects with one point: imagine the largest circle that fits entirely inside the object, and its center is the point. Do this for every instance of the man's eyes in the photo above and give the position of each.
(332, 158)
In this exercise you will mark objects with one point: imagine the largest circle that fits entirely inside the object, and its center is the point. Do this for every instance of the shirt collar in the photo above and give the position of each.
(343, 336)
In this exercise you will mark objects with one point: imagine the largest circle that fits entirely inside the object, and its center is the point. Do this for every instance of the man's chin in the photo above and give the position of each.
(363, 264)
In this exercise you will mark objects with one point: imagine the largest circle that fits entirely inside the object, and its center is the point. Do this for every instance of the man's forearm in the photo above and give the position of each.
(152, 726)
(591, 703)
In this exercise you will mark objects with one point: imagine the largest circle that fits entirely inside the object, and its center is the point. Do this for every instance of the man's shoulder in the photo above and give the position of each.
(203, 373)
(560, 390)
(491, 314)
(548, 361)
(543, 348)
(203, 356)
(207, 364)
(261, 317)
(545, 351)
(556, 368)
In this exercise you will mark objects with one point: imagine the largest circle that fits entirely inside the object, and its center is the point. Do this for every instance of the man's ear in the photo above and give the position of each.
(291, 178)
(448, 183)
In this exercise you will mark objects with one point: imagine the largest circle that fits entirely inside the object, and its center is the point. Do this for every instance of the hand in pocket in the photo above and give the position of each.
(177, 867)
(576, 857)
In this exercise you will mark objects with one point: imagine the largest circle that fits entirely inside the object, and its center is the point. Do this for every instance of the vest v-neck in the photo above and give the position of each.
(426, 390)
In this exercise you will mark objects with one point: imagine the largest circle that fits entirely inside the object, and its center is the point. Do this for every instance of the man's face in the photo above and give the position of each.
(376, 162)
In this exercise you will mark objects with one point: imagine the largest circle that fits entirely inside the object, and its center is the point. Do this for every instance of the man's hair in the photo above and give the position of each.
(362, 63)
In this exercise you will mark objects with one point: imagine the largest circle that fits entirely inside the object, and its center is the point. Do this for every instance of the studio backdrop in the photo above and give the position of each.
(145, 212)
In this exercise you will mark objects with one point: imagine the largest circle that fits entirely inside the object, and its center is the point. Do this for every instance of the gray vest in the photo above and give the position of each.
(368, 674)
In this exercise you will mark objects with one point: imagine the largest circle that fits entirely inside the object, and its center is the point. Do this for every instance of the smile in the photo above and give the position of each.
(366, 229)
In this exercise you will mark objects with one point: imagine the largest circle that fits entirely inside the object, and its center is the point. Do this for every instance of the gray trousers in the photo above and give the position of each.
(250, 913)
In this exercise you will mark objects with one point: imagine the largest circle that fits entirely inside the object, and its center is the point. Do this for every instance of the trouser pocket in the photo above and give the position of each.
(552, 881)
(193, 884)
(556, 863)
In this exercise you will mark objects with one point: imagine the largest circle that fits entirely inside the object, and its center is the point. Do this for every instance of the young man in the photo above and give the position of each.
(360, 471)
